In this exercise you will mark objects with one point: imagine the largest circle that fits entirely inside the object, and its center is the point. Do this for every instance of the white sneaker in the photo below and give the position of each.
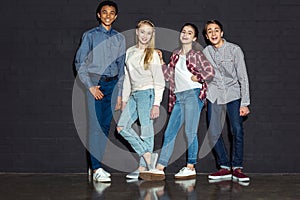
(157, 171)
(185, 173)
(90, 172)
(133, 175)
(153, 175)
(107, 173)
(100, 175)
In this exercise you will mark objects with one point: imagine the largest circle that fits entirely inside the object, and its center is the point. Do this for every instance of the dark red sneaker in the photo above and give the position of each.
(223, 174)
(238, 175)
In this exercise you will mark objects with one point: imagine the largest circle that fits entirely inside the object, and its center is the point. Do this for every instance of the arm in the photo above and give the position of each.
(126, 88)
(121, 62)
(241, 70)
(82, 59)
(206, 70)
(202, 70)
(165, 68)
(159, 86)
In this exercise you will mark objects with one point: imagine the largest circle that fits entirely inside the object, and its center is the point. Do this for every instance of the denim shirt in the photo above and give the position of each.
(102, 53)
(231, 80)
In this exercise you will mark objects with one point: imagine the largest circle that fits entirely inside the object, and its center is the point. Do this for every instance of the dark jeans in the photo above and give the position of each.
(99, 120)
(216, 120)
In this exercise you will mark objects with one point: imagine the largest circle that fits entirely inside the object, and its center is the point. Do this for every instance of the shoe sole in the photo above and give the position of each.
(220, 177)
(240, 179)
(103, 180)
(186, 177)
(132, 177)
(148, 176)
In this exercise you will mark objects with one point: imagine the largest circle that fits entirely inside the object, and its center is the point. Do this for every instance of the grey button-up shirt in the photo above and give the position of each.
(231, 80)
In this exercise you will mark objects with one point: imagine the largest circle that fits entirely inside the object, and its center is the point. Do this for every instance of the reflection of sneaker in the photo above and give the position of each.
(219, 180)
(185, 173)
(242, 183)
(223, 185)
(133, 175)
(156, 185)
(100, 175)
(187, 185)
(152, 189)
(221, 174)
(153, 175)
(132, 180)
(100, 187)
(238, 175)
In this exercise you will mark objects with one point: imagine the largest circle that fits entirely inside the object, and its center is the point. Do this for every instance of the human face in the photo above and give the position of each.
(144, 34)
(214, 34)
(187, 35)
(107, 15)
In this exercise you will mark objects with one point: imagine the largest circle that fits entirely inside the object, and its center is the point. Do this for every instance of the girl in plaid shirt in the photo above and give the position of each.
(187, 73)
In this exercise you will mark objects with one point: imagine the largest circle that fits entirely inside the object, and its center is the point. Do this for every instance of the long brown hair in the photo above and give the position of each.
(150, 49)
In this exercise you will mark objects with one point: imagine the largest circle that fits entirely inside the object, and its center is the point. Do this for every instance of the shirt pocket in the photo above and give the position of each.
(227, 62)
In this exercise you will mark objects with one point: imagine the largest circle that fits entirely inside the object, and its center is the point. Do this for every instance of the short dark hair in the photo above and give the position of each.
(193, 26)
(106, 3)
(214, 21)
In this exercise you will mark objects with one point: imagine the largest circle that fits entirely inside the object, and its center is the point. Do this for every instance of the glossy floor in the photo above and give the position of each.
(79, 186)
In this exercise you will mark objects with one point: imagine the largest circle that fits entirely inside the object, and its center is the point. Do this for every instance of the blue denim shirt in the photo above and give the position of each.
(101, 52)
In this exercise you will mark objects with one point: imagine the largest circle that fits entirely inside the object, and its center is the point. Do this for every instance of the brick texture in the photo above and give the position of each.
(38, 41)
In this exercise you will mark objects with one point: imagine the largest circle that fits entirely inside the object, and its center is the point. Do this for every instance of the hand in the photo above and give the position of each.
(154, 112)
(160, 56)
(96, 92)
(194, 78)
(123, 105)
(244, 111)
(119, 103)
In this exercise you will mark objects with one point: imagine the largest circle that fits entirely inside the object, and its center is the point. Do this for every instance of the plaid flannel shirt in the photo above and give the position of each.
(197, 64)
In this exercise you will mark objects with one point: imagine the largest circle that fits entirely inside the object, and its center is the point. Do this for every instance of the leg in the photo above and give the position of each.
(124, 127)
(216, 120)
(236, 124)
(174, 124)
(192, 108)
(99, 116)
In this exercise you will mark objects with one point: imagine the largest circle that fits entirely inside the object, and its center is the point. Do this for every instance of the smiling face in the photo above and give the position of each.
(144, 34)
(107, 15)
(214, 34)
(187, 35)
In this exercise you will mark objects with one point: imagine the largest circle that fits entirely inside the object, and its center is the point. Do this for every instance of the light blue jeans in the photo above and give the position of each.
(186, 110)
(139, 107)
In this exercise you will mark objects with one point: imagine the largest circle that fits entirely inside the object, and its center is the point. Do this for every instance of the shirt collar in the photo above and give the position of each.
(222, 47)
(102, 29)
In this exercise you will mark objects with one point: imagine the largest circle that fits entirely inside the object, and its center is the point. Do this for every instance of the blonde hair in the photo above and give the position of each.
(150, 49)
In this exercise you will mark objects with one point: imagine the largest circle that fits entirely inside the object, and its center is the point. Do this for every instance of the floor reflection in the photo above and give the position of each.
(80, 186)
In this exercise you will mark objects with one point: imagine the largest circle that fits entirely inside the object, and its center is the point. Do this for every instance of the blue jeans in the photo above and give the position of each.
(186, 110)
(216, 120)
(139, 107)
(99, 119)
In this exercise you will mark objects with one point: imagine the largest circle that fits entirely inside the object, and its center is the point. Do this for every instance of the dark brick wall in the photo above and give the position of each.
(38, 40)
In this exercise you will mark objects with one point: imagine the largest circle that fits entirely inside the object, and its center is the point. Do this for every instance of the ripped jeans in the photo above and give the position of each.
(139, 107)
